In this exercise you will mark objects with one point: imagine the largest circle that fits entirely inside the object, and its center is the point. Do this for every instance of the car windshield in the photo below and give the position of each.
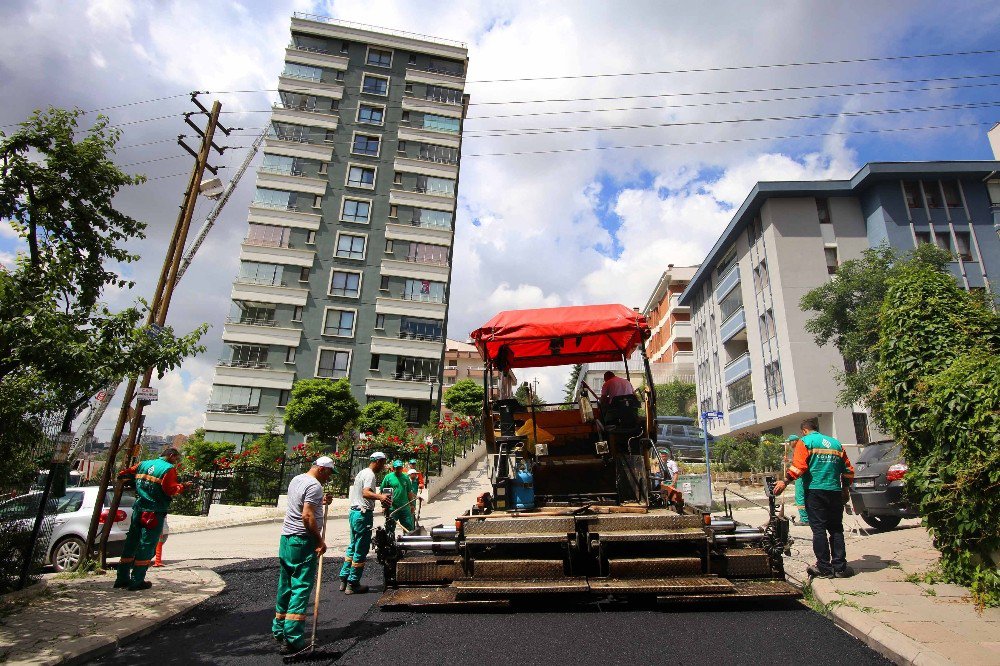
(878, 452)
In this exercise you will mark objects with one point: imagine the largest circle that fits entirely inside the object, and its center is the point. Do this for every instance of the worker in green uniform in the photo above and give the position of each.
(155, 485)
(800, 491)
(401, 509)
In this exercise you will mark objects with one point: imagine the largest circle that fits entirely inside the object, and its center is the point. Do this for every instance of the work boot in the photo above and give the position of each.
(846, 573)
(287, 648)
(158, 559)
(356, 588)
(121, 583)
(815, 572)
(144, 585)
(343, 584)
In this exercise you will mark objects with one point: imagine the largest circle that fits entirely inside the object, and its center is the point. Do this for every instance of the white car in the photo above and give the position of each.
(70, 518)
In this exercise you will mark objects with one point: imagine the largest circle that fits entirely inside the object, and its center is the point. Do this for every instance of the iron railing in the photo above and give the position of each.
(232, 409)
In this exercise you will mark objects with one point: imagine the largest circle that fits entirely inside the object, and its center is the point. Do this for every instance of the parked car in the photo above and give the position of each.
(683, 436)
(877, 491)
(70, 515)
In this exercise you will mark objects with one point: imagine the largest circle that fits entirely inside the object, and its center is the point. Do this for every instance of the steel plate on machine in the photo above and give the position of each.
(760, 590)
(679, 585)
(681, 534)
(506, 587)
(652, 567)
(436, 599)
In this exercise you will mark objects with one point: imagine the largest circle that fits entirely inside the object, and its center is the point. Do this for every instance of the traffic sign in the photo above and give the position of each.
(712, 415)
(147, 394)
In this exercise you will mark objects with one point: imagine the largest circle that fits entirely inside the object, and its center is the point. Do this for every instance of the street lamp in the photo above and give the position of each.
(211, 188)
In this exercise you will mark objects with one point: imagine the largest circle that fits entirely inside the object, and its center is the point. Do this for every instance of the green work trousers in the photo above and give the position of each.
(800, 500)
(357, 548)
(137, 553)
(297, 562)
(404, 518)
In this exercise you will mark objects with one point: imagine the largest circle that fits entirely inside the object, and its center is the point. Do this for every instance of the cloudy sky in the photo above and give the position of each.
(605, 139)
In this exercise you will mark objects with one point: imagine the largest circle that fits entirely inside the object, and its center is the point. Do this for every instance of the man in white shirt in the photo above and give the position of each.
(672, 470)
(613, 387)
(299, 550)
(362, 498)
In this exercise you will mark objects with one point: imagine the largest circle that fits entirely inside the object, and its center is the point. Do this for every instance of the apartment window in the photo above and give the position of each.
(339, 323)
(420, 328)
(407, 88)
(401, 147)
(388, 246)
(380, 322)
(441, 123)
(923, 237)
(290, 132)
(268, 198)
(761, 278)
(441, 154)
(344, 46)
(452, 363)
(397, 178)
(235, 396)
(437, 219)
(412, 59)
(339, 75)
(416, 369)
(963, 245)
(449, 67)
(951, 196)
(730, 304)
(823, 211)
(366, 144)
(383, 284)
(754, 231)
(423, 253)
(444, 95)
(740, 393)
(310, 237)
(375, 85)
(726, 262)
(861, 428)
(942, 240)
(248, 356)
(373, 365)
(404, 117)
(324, 168)
(424, 290)
(932, 194)
(358, 176)
(249, 313)
(317, 201)
(304, 274)
(371, 114)
(297, 101)
(333, 363)
(283, 396)
(346, 284)
(255, 272)
(773, 384)
(912, 193)
(767, 330)
(832, 260)
(412, 413)
(350, 246)
(298, 71)
(378, 58)
(297, 313)
(393, 210)
(434, 185)
(356, 210)
(290, 355)
(267, 235)
(281, 164)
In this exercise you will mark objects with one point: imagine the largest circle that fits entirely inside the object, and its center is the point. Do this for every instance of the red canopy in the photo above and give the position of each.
(560, 336)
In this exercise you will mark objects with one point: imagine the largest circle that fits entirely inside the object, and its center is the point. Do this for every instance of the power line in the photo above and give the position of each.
(480, 134)
(731, 140)
(736, 68)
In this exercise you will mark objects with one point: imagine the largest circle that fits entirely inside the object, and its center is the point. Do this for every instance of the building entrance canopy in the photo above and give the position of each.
(560, 336)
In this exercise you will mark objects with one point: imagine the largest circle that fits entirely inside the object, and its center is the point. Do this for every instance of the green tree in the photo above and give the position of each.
(847, 312)
(569, 392)
(321, 408)
(465, 397)
(936, 389)
(526, 396)
(58, 343)
(382, 414)
(200, 455)
(676, 398)
(269, 446)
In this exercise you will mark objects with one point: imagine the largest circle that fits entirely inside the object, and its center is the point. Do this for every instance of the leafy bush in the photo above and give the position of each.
(201, 455)
(321, 408)
(676, 398)
(937, 392)
(465, 397)
(384, 415)
(14, 538)
(749, 452)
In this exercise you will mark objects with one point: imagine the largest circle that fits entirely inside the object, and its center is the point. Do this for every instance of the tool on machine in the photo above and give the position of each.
(309, 649)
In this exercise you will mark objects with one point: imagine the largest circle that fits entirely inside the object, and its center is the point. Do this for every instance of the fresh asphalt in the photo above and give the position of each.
(234, 628)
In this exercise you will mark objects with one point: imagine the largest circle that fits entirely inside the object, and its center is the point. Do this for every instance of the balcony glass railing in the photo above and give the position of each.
(427, 261)
(422, 298)
(275, 205)
(232, 409)
(407, 335)
(311, 108)
(407, 377)
(267, 282)
(309, 49)
(429, 224)
(281, 169)
(251, 321)
(266, 242)
(237, 363)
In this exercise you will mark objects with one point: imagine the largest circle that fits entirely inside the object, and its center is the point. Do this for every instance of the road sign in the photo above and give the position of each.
(712, 415)
(147, 394)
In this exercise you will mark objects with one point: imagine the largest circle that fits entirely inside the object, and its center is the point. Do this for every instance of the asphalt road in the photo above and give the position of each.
(234, 628)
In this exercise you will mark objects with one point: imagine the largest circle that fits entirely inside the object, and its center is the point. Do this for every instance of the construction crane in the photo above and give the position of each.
(99, 404)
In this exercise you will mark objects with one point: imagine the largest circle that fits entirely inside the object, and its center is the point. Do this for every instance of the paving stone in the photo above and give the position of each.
(967, 653)
(926, 632)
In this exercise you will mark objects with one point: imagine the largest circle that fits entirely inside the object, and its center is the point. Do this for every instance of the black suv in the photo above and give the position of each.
(683, 436)
(877, 491)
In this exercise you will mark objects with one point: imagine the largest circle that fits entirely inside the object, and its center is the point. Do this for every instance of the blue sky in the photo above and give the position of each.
(561, 228)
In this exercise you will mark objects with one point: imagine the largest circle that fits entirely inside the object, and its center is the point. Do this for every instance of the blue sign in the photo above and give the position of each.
(712, 415)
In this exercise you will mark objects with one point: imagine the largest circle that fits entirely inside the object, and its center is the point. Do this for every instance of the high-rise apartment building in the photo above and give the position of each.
(346, 267)
(754, 359)
(669, 321)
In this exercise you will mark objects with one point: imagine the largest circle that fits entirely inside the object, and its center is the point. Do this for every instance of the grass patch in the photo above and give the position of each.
(856, 593)
(87, 569)
(929, 577)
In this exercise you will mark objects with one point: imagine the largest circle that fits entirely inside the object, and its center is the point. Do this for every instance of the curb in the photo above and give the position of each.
(104, 644)
(891, 644)
(27, 593)
(244, 523)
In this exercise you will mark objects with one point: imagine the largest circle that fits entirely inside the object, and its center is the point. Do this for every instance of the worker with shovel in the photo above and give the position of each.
(302, 544)
(362, 498)
(403, 496)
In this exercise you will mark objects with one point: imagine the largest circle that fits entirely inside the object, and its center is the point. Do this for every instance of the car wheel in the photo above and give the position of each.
(881, 523)
(68, 554)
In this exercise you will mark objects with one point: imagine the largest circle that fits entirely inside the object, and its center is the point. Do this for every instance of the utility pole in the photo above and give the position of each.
(157, 317)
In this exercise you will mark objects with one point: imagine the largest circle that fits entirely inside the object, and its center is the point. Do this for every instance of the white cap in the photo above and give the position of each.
(378, 455)
(324, 461)
(412, 471)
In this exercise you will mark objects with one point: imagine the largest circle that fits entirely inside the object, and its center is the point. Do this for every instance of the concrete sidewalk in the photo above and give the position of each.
(75, 620)
(887, 606)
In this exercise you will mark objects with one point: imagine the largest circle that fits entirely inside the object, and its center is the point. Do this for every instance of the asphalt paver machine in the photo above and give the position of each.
(573, 509)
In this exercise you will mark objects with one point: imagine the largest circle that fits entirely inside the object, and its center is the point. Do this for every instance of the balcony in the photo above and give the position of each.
(405, 346)
(288, 256)
(415, 270)
(420, 135)
(269, 293)
(674, 304)
(241, 332)
(679, 330)
(727, 283)
(328, 120)
(305, 55)
(736, 324)
(437, 168)
(251, 321)
(432, 106)
(408, 389)
(435, 76)
(266, 242)
(304, 86)
(411, 306)
(417, 233)
(255, 377)
(284, 217)
(742, 416)
(237, 363)
(290, 182)
(421, 200)
(231, 409)
(737, 369)
(276, 146)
